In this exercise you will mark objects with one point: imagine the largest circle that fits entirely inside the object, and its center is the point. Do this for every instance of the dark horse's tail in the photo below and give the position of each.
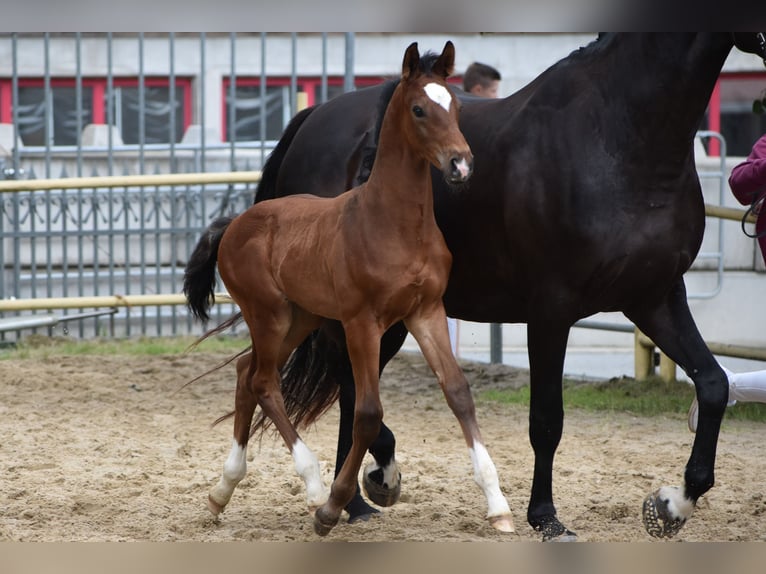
(199, 275)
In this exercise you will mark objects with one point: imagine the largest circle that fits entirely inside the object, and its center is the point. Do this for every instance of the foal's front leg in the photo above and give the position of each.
(429, 327)
(363, 342)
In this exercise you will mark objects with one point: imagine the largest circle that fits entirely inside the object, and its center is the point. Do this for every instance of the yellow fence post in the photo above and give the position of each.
(667, 368)
(643, 355)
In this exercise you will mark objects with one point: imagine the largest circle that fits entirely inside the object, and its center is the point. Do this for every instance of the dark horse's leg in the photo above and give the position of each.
(382, 449)
(671, 326)
(546, 343)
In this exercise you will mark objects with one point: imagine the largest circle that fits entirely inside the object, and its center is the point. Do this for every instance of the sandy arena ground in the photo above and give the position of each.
(109, 449)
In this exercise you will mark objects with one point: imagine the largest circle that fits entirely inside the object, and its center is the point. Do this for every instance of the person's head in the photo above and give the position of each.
(481, 80)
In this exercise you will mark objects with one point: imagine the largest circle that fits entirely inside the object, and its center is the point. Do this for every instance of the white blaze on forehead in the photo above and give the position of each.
(439, 94)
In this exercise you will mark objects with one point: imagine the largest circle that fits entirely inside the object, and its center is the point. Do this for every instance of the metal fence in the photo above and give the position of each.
(128, 239)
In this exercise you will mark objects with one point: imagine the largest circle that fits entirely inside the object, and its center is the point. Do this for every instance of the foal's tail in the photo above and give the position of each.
(199, 275)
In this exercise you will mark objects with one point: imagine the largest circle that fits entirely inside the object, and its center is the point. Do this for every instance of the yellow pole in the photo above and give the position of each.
(643, 351)
(130, 181)
(667, 368)
(100, 301)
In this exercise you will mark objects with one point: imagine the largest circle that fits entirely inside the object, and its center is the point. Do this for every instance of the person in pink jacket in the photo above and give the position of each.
(748, 184)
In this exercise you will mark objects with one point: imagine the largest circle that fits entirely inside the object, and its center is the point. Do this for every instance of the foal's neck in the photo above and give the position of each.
(400, 175)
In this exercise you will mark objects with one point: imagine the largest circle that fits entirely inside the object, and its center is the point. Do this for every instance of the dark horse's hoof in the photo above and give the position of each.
(658, 520)
(380, 492)
(553, 531)
(359, 511)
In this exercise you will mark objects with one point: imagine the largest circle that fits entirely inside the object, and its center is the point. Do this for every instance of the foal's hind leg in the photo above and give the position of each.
(429, 327)
(274, 344)
(235, 467)
(671, 326)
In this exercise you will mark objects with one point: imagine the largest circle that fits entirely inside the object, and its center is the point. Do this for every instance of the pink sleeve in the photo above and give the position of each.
(749, 177)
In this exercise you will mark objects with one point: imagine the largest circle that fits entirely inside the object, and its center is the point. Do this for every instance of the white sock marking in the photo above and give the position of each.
(307, 467)
(439, 94)
(234, 470)
(678, 505)
(485, 475)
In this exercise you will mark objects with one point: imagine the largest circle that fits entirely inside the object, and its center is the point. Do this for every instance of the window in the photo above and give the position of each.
(62, 103)
(277, 103)
(62, 109)
(730, 112)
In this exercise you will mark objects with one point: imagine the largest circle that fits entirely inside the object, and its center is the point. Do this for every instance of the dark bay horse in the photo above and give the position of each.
(584, 198)
(369, 258)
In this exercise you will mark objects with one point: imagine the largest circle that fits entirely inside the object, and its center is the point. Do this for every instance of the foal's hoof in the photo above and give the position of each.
(553, 531)
(665, 512)
(503, 523)
(323, 523)
(377, 489)
(214, 507)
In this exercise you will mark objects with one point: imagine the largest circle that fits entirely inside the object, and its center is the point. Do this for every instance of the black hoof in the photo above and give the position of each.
(657, 519)
(553, 531)
(359, 511)
(380, 493)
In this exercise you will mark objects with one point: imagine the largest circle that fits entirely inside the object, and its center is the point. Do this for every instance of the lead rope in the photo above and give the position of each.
(755, 209)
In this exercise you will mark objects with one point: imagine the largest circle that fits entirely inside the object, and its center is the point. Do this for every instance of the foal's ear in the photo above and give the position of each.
(445, 64)
(411, 61)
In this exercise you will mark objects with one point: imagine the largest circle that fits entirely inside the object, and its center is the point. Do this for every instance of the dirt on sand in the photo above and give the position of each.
(113, 448)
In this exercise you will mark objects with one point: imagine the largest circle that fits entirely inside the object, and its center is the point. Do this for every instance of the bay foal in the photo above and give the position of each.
(369, 258)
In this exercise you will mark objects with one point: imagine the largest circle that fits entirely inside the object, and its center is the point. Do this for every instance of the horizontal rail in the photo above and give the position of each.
(129, 181)
(33, 321)
(100, 301)
(731, 213)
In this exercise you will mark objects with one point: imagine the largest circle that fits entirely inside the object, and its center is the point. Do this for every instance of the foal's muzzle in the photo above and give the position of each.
(460, 168)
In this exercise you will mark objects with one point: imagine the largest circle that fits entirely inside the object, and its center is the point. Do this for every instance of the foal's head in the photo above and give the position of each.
(429, 114)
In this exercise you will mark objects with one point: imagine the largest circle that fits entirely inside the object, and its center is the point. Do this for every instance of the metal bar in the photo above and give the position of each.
(48, 98)
(323, 94)
(604, 326)
(293, 74)
(78, 100)
(201, 99)
(262, 95)
(49, 320)
(15, 102)
(232, 131)
(496, 343)
(130, 180)
(348, 77)
(109, 103)
(172, 102)
(141, 102)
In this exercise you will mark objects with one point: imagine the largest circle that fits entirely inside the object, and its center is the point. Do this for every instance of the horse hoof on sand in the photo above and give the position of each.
(661, 519)
(553, 531)
(381, 493)
(214, 507)
(322, 524)
(502, 523)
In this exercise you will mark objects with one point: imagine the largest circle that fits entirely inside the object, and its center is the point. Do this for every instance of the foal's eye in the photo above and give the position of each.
(418, 111)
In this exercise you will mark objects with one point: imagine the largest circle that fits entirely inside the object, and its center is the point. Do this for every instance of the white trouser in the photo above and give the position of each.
(747, 387)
